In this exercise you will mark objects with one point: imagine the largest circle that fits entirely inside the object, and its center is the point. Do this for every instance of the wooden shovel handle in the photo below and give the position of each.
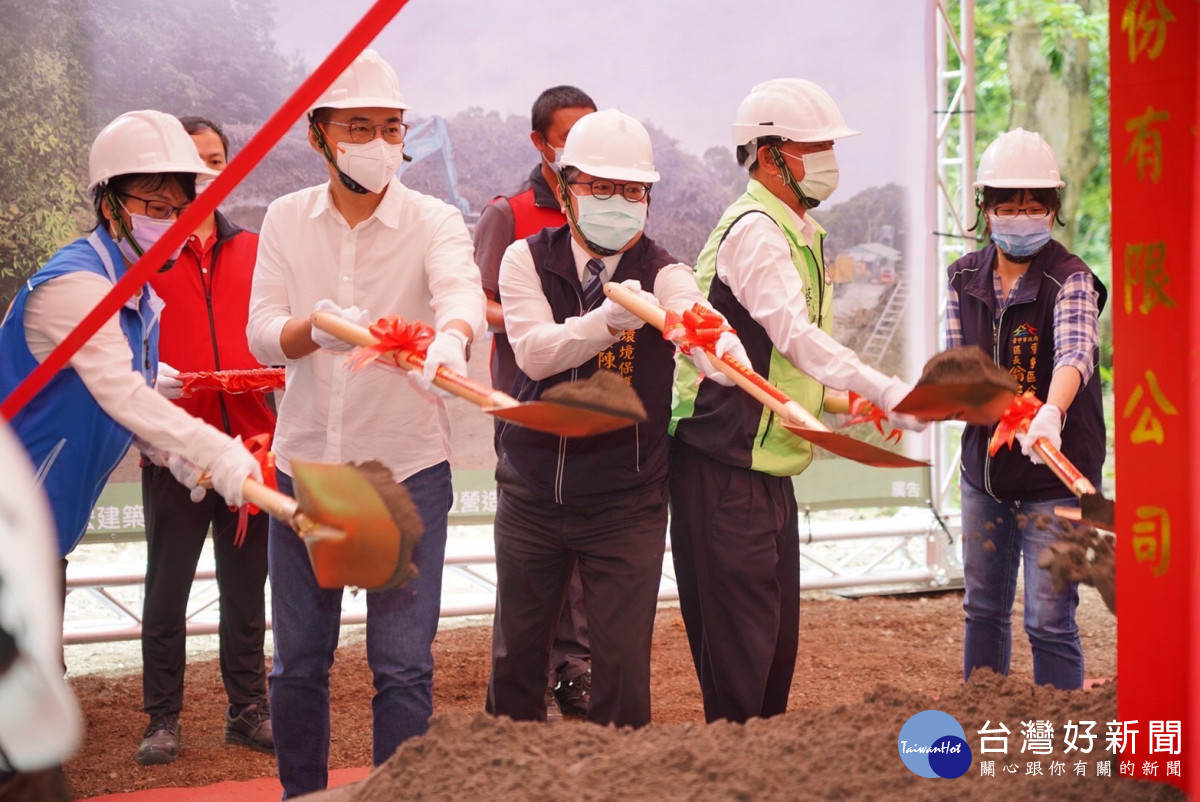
(455, 383)
(742, 375)
(277, 505)
(1063, 468)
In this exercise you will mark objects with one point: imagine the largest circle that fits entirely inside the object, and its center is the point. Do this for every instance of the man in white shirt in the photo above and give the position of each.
(734, 524)
(597, 501)
(361, 240)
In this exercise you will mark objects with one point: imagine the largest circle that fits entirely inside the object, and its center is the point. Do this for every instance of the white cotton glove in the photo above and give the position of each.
(352, 313)
(167, 384)
(893, 393)
(153, 454)
(448, 350)
(617, 317)
(186, 474)
(727, 343)
(230, 469)
(1046, 424)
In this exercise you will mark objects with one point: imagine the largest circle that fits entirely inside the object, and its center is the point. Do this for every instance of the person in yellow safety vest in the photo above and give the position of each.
(734, 525)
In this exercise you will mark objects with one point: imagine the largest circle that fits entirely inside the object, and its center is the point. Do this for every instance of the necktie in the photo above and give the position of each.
(594, 287)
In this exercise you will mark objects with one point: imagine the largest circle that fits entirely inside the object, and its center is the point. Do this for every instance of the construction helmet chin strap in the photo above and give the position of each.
(323, 143)
(125, 233)
(785, 173)
(569, 209)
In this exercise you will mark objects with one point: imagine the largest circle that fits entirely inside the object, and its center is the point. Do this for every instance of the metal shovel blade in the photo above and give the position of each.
(1094, 510)
(980, 403)
(857, 450)
(339, 496)
(565, 421)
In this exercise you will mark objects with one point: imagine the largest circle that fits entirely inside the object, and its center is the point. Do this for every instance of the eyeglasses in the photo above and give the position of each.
(157, 209)
(361, 133)
(603, 189)
(1033, 212)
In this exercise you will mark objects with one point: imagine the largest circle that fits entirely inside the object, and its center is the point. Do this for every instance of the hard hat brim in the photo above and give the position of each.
(168, 167)
(1018, 183)
(362, 103)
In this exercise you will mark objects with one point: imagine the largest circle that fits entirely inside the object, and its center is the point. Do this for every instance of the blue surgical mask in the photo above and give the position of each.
(1019, 236)
(610, 223)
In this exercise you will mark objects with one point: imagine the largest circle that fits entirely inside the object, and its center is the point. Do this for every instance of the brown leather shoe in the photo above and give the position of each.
(161, 742)
(251, 727)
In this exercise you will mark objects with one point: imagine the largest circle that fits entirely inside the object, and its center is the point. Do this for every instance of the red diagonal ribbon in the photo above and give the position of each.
(232, 381)
(1014, 419)
(863, 411)
(393, 334)
(698, 326)
(259, 447)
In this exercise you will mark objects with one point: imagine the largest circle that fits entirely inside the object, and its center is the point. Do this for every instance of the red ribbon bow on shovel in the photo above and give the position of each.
(393, 334)
(1014, 420)
(696, 327)
(259, 447)
(863, 411)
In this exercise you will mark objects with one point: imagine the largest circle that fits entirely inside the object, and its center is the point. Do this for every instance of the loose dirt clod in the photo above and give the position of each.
(603, 391)
(966, 364)
(1082, 555)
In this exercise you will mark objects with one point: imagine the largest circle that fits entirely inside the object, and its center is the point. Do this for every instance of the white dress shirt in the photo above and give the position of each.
(413, 258)
(104, 364)
(756, 262)
(544, 347)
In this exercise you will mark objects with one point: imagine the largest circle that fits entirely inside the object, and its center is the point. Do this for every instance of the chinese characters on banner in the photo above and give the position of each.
(1089, 749)
(1156, 351)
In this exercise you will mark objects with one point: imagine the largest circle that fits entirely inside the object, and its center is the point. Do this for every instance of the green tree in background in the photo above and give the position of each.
(1043, 65)
(43, 135)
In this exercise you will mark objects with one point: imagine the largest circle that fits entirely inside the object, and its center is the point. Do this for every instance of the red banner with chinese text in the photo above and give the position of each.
(1156, 357)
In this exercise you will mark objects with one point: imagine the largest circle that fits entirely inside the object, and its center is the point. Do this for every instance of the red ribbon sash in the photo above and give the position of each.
(1015, 419)
(393, 334)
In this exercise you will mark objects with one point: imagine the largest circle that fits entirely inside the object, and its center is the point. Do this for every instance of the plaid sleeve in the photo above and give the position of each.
(954, 335)
(1077, 325)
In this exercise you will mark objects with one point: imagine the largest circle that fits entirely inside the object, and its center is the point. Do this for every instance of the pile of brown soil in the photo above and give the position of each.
(841, 723)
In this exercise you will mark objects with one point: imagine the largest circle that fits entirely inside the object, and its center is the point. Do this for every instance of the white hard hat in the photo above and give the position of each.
(792, 108)
(143, 142)
(41, 725)
(369, 82)
(1018, 159)
(610, 144)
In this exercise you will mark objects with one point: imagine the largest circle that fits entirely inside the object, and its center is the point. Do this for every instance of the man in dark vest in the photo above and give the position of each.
(597, 501)
(501, 223)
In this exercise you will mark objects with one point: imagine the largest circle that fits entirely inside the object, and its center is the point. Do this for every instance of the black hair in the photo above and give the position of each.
(194, 125)
(118, 185)
(744, 151)
(553, 99)
(990, 197)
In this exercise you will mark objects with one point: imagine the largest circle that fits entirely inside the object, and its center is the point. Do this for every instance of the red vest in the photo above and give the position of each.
(529, 219)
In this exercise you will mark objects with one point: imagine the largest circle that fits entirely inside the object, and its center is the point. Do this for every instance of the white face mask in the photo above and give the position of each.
(145, 231)
(820, 173)
(372, 164)
(203, 184)
(610, 223)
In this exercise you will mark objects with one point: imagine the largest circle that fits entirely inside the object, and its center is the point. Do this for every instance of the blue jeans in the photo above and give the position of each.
(996, 536)
(401, 624)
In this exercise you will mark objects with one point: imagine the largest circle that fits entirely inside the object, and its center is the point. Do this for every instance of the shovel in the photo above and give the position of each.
(795, 418)
(358, 525)
(1094, 509)
(579, 417)
(960, 384)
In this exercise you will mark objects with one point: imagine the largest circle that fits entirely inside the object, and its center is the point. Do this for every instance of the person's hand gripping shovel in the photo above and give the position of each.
(1094, 509)
(795, 418)
(603, 403)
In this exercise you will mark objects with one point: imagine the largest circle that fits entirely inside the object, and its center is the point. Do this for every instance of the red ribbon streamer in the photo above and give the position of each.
(863, 411)
(259, 447)
(696, 327)
(232, 381)
(394, 334)
(1015, 419)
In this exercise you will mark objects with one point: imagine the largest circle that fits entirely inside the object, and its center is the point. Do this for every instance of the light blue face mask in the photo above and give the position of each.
(610, 223)
(1019, 236)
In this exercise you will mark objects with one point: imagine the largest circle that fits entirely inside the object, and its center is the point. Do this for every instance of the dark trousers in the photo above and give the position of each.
(618, 548)
(571, 652)
(736, 547)
(176, 529)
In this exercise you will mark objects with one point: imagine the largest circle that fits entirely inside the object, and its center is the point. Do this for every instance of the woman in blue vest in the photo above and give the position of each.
(142, 172)
(1033, 306)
